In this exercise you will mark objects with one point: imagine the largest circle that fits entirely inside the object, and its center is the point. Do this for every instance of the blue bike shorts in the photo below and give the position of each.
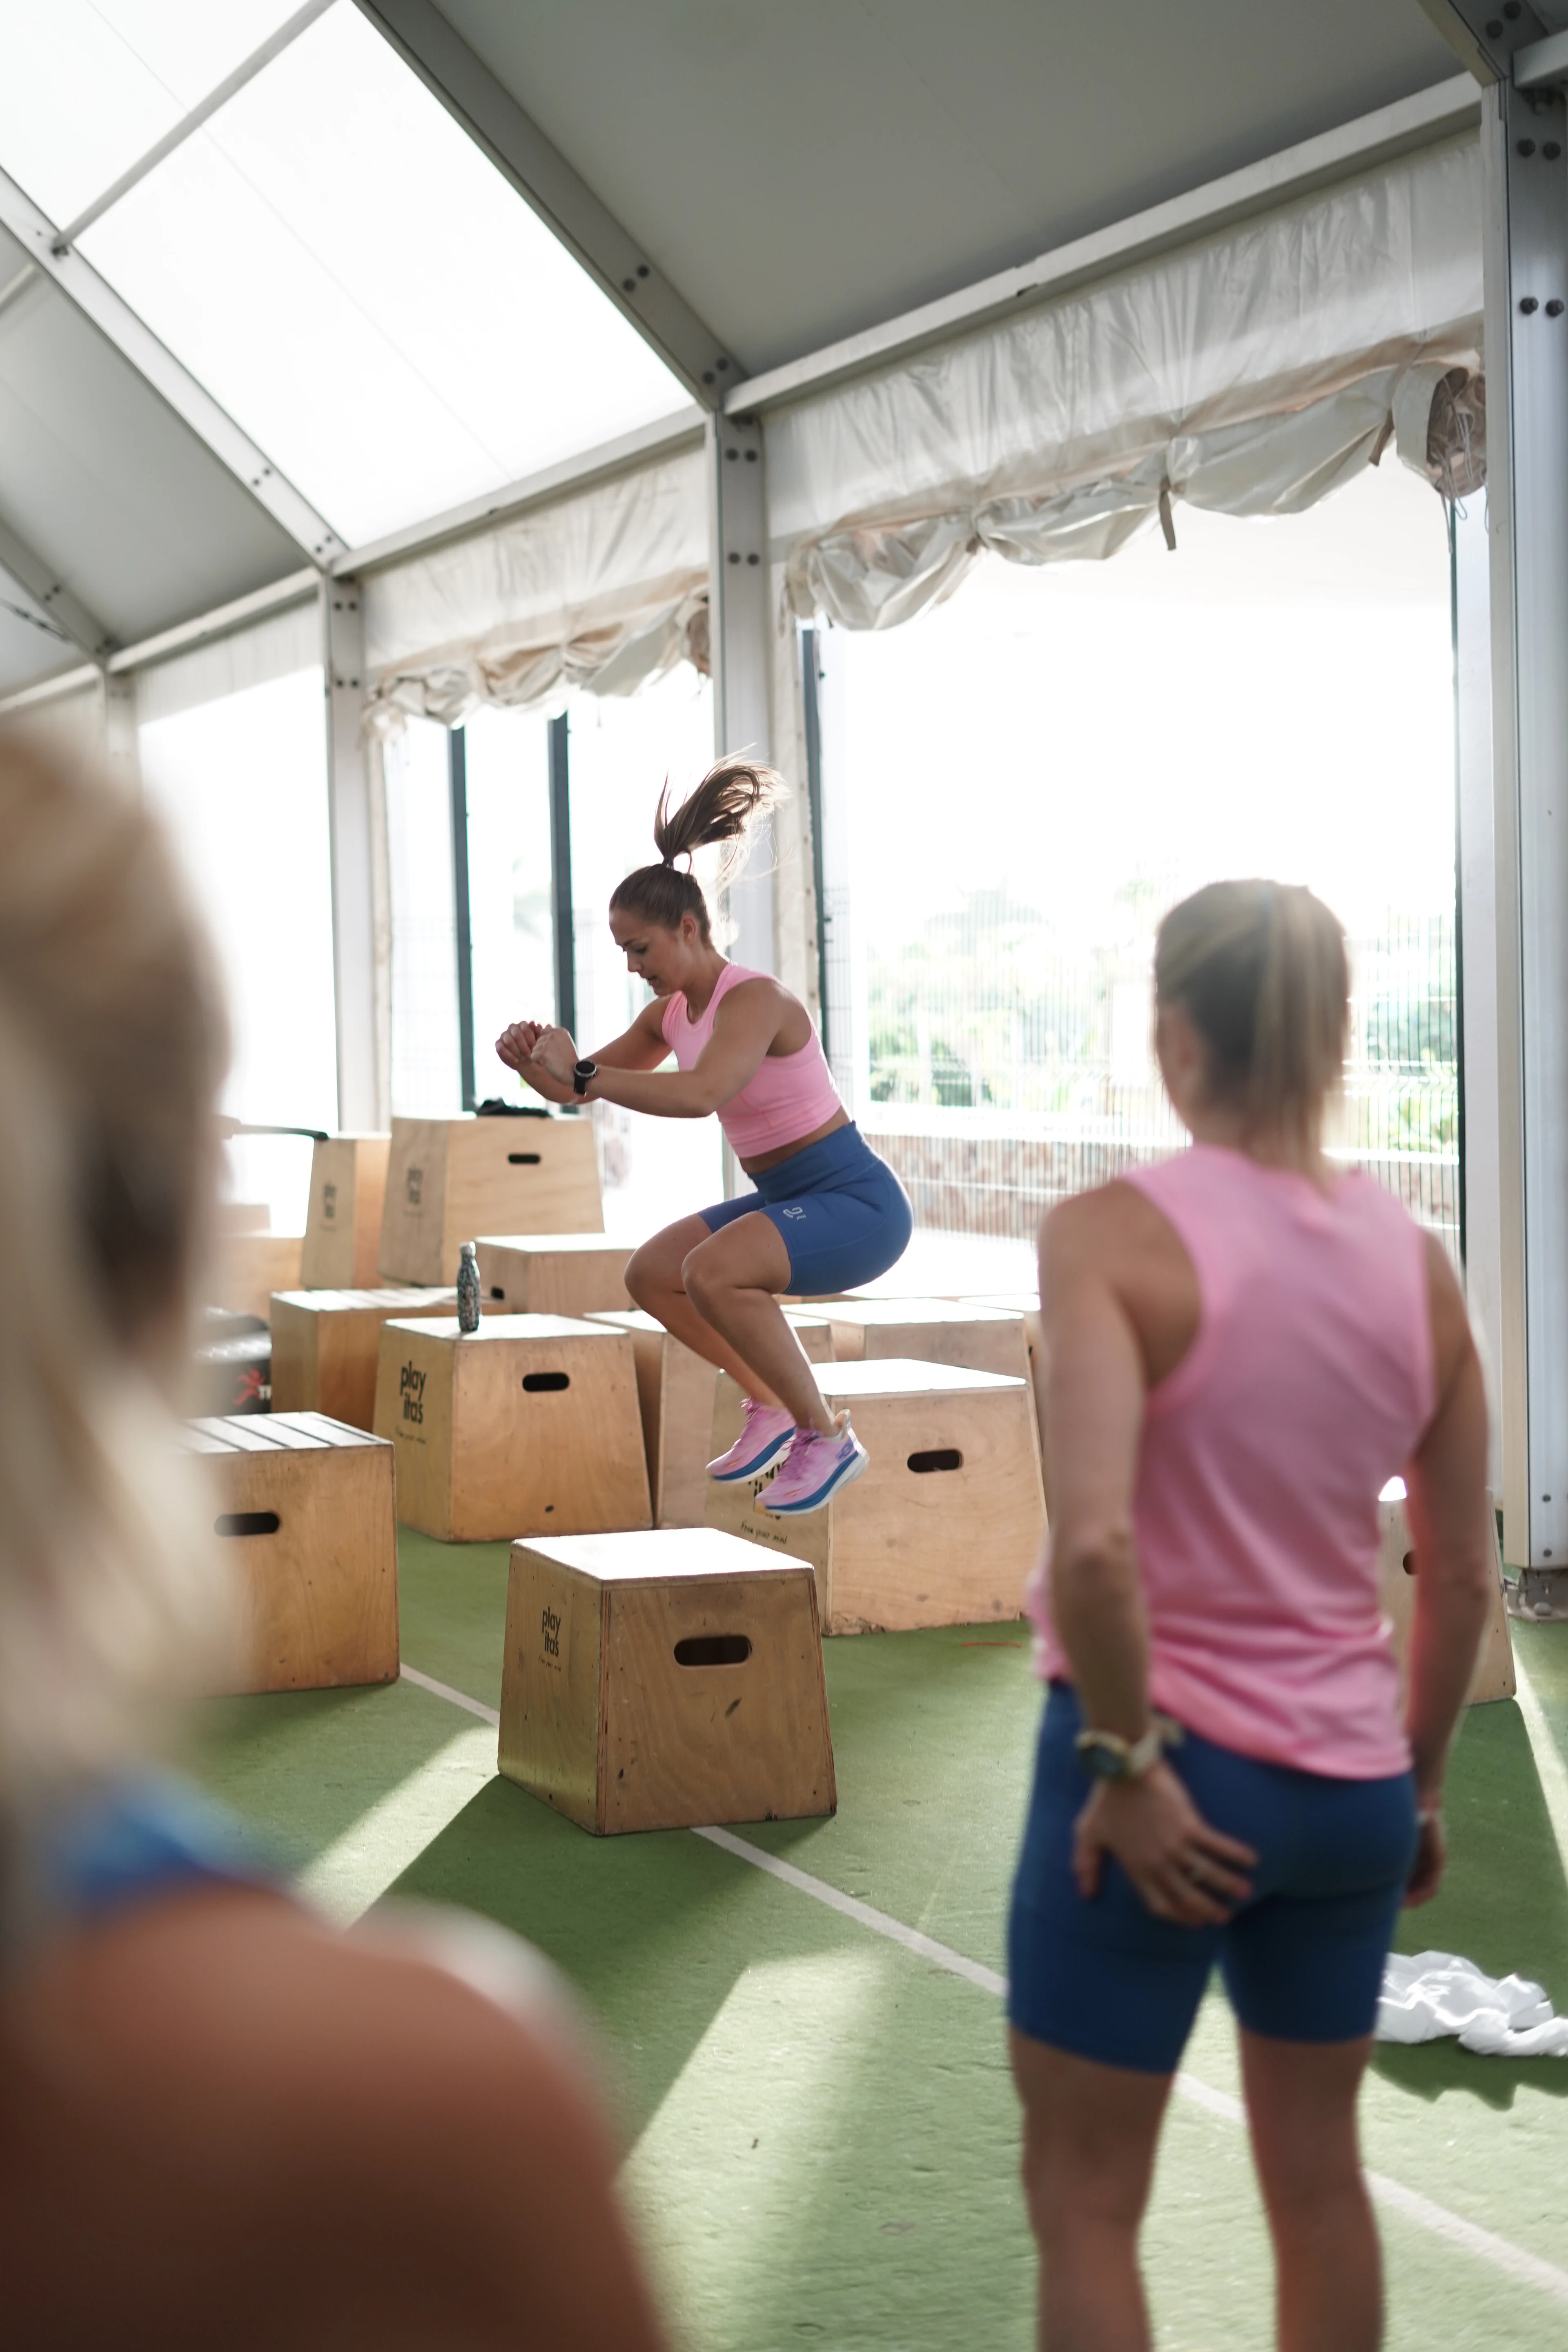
(1301, 1959)
(843, 1213)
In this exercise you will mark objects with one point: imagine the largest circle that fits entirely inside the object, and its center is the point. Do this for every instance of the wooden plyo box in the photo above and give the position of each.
(326, 1345)
(675, 1393)
(249, 1267)
(342, 1224)
(553, 1274)
(1396, 1572)
(304, 1507)
(931, 1331)
(450, 1180)
(660, 1681)
(1025, 1303)
(527, 1426)
(944, 1526)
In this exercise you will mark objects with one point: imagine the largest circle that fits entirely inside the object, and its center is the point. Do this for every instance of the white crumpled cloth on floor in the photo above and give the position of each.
(1434, 1993)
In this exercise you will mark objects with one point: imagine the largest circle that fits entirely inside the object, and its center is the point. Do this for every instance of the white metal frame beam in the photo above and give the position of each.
(546, 181)
(74, 624)
(1413, 122)
(740, 639)
(156, 364)
(246, 71)
(1525, 137)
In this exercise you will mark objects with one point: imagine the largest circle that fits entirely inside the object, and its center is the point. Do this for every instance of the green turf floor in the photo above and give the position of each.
(821, 2132)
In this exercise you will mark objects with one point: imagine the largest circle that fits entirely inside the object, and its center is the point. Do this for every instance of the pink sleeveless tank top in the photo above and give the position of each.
(1308, 1386)
(790, 1094)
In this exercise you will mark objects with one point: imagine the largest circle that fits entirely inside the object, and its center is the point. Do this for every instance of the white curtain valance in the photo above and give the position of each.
(603, 589)
(1253, 373)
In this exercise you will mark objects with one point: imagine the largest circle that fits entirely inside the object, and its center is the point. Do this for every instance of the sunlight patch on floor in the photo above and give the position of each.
(358, 1867)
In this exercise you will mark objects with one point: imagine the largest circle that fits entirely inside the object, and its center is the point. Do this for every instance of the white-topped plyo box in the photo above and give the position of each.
(302, 1508)
(930, 1330)
(676, 1391)
(450, 1180)
(663, 1680)
(553, 1274)
(527, 1426)
(943, 1527)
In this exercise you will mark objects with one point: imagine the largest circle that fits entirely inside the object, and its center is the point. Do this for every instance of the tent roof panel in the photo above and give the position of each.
(108, 486)
(803, 173)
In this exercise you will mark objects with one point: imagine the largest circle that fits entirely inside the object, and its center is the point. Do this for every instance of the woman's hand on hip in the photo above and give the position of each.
(1426, 1870)
(1183, 1869)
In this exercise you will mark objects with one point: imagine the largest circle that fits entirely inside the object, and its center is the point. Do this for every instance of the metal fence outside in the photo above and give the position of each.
(1000, 1072)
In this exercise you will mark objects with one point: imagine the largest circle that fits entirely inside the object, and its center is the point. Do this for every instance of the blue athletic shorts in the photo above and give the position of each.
(1302, 1960)
(844, 1216)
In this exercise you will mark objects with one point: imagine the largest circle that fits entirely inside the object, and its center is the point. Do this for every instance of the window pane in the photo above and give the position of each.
(656, 1169)
(243, 785)
(360, 288)
(427, 1076)
(1033, 773)
(90, 85)
(510, 905)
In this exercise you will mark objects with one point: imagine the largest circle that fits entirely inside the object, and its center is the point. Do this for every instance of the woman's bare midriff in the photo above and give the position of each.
(802, 1143)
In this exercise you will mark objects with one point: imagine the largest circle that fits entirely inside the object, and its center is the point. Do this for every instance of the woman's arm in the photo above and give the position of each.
(642, 1047)
(746, 1025)
(1446, 1487)
(1098, 1356)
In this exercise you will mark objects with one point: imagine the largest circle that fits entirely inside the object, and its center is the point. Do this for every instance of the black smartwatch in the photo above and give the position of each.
(581, 1073)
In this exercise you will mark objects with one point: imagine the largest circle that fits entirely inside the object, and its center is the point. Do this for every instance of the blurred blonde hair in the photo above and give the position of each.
(1260, 969)
(112, 1042)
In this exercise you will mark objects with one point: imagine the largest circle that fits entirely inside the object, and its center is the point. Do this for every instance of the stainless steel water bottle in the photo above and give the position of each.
(468, 1288)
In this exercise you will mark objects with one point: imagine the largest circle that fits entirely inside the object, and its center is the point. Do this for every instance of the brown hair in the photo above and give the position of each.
(1259, 968)
(722, 809)
(112, 1042)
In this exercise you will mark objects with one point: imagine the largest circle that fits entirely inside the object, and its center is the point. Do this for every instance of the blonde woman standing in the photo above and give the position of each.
(1245, 1346)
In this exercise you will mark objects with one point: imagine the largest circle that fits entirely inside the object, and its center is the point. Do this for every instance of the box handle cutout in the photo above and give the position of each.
(713, 1650)
(246, 1523)
(534, 1382)
(522, 1158)
(1408, 1563)
(497, 1292)
(940, 1457)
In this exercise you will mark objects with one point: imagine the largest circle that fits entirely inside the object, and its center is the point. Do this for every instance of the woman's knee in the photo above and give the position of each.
(700, 1277)
(644, 1278)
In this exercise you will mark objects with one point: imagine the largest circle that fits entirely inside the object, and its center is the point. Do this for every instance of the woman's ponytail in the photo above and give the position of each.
(721, 810)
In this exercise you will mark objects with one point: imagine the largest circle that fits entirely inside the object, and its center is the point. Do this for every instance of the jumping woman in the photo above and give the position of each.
(827, 1214)
(1245, 1345)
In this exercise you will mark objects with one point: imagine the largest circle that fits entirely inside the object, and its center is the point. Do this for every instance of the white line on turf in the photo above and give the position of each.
(853, 1908)
(1549, 1768)
(1519, 2263)
(445, 1690)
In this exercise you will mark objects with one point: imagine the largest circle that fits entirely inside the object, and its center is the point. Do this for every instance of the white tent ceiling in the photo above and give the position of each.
(392, 329)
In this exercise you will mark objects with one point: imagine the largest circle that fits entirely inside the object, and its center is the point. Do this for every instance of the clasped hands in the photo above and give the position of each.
(535, 1050)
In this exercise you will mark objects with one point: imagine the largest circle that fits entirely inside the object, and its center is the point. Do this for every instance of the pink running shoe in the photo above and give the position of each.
(765, 1434)
(816, 1468)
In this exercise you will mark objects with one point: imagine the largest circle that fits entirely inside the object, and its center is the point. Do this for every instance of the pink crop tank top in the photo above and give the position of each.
(789, 1095)
(1308, 1386)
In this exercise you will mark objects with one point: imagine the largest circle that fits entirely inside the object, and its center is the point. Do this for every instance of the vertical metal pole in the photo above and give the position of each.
(457, 774)
(561, 875)
(1480, 1169)
(739, 643)
(361, 1093)
(1523, 137)
(811, 681)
